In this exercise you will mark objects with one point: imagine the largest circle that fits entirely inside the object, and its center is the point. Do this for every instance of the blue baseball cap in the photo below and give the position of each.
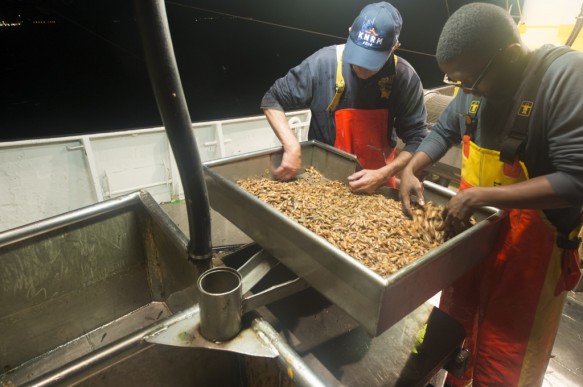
(372, 36)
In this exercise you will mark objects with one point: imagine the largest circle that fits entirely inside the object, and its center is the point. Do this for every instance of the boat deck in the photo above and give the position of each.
(565, 368)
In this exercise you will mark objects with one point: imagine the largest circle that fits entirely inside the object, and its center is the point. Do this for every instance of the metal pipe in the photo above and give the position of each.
(86, 366)
(109, 354)
(220, 298)
(165, 79)
(44, 226)
(288, 359)
(576, 29)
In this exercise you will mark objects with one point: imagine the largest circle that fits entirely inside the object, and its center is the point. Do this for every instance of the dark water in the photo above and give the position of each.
(86, 72)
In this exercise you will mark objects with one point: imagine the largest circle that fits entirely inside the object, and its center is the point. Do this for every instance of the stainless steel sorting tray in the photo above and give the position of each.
(375, 302)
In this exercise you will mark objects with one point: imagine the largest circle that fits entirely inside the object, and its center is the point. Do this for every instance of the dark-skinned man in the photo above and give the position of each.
(520, 121)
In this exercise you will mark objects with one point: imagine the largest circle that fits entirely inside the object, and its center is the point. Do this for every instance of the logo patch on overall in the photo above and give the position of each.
(385, 86)
(474, 105)
(525, 108)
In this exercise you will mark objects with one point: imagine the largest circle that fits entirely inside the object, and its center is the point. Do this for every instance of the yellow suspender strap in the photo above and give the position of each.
(340, 78)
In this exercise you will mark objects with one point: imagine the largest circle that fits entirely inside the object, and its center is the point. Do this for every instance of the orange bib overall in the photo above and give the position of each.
(511, 304)
(364, 133)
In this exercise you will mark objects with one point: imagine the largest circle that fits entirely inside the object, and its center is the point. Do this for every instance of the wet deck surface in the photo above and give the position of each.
(565, 367)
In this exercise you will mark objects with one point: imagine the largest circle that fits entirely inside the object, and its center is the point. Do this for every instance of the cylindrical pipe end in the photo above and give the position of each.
(220, 291)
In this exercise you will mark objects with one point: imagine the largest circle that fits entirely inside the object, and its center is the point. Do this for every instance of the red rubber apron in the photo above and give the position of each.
(511, 304)
(364, 133)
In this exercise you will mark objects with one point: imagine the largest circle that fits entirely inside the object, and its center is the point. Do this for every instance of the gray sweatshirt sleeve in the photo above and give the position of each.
(561, 90)
(410, 112)
(294, 90)
(447, 132)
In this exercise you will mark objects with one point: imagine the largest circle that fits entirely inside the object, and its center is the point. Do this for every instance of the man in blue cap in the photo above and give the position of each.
(362, 97)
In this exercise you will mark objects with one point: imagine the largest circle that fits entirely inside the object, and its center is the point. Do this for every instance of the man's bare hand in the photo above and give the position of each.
(458, 210)
(289, 167)
(410, 185)
(366, 180)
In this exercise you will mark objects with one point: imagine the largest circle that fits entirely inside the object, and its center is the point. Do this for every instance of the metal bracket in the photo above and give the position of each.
(187, 333)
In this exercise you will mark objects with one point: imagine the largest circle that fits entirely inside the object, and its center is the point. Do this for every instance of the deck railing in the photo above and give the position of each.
(45, 177)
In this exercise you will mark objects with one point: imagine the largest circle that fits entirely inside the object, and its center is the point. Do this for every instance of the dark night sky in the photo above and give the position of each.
(86, 72)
